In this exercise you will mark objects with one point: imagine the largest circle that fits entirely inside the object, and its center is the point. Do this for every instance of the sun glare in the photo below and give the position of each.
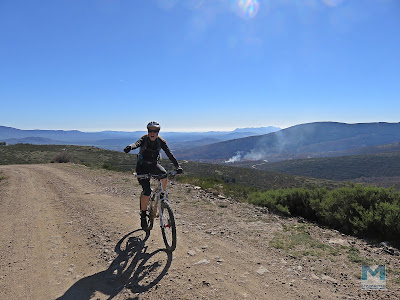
(246, 9)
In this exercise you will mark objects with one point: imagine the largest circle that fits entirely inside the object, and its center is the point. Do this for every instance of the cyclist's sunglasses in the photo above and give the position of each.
(153, 131)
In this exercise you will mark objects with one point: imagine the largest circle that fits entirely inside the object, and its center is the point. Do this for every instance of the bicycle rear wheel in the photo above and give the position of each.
(168, 229)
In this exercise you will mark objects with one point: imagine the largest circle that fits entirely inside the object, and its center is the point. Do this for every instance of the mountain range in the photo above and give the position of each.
(319, 139)
(117, 140)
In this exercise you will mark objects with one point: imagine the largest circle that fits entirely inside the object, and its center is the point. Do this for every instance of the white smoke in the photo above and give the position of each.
(279, 145)
(254, 155)
(235, 158)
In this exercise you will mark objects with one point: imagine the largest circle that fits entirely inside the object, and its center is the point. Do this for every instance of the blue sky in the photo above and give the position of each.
(197, 64)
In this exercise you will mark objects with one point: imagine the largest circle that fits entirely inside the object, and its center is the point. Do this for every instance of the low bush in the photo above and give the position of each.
(363, 211)
(109, 167)
(62, 157)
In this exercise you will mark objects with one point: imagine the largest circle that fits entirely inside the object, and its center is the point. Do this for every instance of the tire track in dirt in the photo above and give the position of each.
(34, 238)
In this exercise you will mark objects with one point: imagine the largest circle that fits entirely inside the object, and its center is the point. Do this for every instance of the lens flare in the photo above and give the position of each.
(246, 9)
(332, 3)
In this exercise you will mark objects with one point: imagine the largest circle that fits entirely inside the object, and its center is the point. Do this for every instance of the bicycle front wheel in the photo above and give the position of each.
(168, 228)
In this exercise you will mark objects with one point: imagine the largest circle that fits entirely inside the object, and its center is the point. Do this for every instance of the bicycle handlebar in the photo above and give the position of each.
(154, 176)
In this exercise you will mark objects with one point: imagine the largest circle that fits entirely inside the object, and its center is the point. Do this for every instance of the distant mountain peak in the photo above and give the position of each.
(259, 130)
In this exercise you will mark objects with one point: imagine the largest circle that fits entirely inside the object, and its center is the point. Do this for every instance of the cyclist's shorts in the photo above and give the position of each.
(149, 168)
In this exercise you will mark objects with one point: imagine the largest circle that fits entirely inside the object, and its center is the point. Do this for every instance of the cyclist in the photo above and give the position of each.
(148, 163)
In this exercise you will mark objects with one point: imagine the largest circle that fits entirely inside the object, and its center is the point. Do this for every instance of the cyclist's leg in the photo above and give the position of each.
(144, 202)
(145, 196)
(159, 170)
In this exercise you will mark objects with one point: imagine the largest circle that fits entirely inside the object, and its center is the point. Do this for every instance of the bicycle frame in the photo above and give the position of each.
(162, 204)
(156, 200)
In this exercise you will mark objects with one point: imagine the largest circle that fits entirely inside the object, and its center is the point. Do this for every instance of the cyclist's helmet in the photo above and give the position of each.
(153, 126)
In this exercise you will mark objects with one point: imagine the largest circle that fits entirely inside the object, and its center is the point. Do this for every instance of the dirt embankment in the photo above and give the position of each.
(70, 232)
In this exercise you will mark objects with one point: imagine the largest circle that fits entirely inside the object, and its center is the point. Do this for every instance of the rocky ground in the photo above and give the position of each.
(71, 232)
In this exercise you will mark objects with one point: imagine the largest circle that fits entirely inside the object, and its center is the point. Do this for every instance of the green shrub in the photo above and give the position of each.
(295, 201)
(110, 167)
(2, 177)
(356, 209)
(62, 157)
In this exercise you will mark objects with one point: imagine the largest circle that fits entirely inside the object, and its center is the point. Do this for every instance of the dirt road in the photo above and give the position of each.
(71, 232)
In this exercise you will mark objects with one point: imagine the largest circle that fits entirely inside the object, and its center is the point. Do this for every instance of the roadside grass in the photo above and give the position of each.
(297, 242)
(218, 186)
(353, 255)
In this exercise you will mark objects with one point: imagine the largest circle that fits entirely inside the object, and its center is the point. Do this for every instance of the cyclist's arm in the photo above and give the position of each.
(138, 143)
(171, 157)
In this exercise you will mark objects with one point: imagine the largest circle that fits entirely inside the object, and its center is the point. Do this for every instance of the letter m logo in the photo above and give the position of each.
(373, 271)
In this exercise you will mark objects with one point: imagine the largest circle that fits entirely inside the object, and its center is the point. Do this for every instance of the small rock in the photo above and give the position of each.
(339, 242)
(313, 276)
(191, 252)
(202, 262)
(328, 278)
(261, 270)
(300, 268)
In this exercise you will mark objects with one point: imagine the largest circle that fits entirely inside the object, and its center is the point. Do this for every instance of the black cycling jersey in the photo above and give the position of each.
(150, 150)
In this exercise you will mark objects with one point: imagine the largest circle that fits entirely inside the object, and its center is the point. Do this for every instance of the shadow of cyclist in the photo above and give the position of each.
(133, 268)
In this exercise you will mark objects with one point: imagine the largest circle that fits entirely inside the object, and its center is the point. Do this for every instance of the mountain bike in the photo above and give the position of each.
(159, 203)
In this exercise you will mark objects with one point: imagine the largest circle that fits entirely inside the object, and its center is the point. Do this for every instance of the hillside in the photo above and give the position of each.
(335, 168)
(322, 139)
(96, 157)
(86, 155)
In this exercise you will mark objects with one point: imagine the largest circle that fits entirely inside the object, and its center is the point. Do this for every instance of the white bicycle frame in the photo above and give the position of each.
(158, 190)
(159, 201)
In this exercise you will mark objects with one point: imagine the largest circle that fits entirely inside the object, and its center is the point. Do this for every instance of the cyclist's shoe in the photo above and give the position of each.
(143, 220)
